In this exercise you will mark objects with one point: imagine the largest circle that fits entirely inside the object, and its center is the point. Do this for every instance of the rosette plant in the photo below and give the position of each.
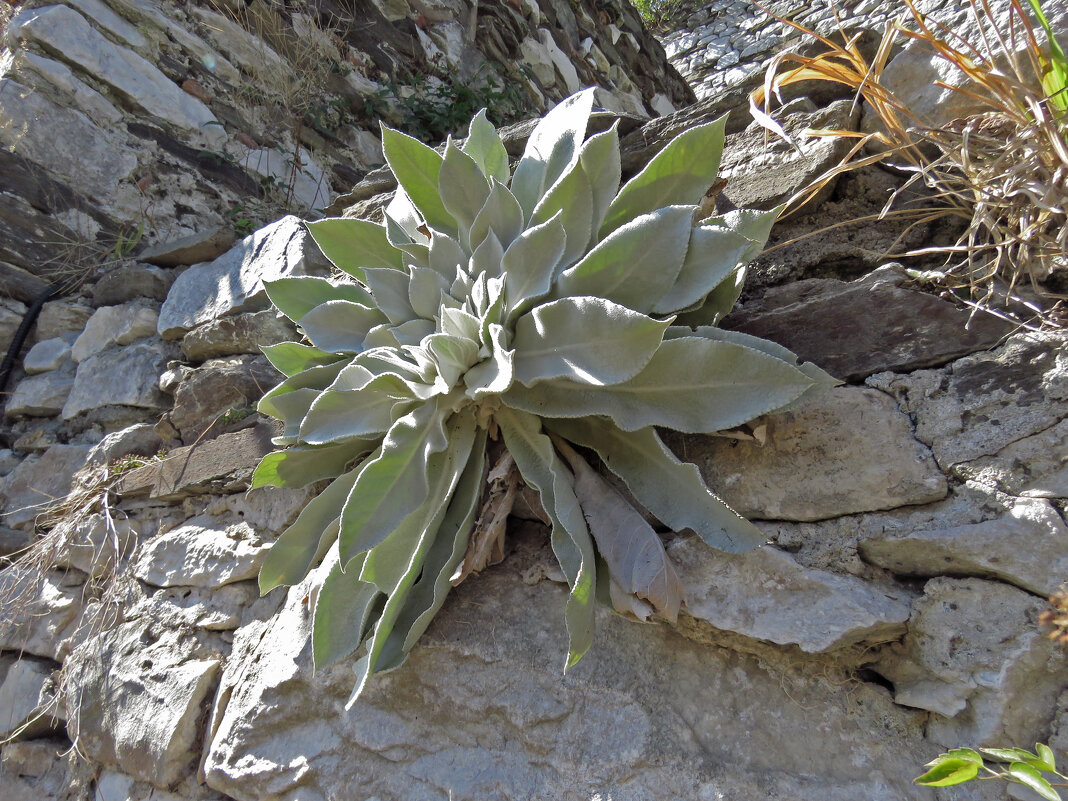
(495, 322)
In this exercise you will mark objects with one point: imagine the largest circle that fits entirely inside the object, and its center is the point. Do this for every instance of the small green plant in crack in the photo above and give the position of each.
(1037, 771)
(237, 215)
(499, 326)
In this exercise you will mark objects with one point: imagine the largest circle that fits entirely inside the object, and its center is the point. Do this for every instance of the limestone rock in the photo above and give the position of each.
(198, 554)
(140, 700)
(47, 355)
(120, 376)
(481, 710)
(59, 317)
(93, 546)
(219, 385)
(132, 281)
(1027, 546)
(218, 609)
(46, 615)
(38, 482)
(109, 21)
(767, 595)
(140, 439)
(307, 184)
(61, 30)
(114, 325)
(233, 283)
(987, 401)
(41, 395)
(11, 314)
(193, 249)
(839, 431)
(752, 181)
(25, 697)
(58, 76)
(223, 464)
(974, 656)
(1035, 466)
(854, 329)
(78, 151)
(242, 333)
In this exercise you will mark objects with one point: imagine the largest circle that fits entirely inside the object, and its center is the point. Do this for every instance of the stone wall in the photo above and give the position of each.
(915, 519)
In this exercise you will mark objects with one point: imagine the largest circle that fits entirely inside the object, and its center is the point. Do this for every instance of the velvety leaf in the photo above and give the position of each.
(713, 256)
(530, 263)
(295, 297)
(417, 169)
(1029, 776)
(670, 489)
(486, 260)
(681, 173)
(948, 772)
(718, 303)
(459, 323)
(542, 469)
(290, 358)
(585, 339)
(298, 467)
(394, 482)
(390, 290)
(291, 409)
(453, 356)
(496, 374)
(692, 385)
(631, 549)
(637, 263)
(345, 414)
(600, 161)
(318, 378)
(424, 291)
(446, 255)
(306, 540)
(344, 606)
(462, 187)
(501, 214)
(429, 593)
(552, 146)
(352, 245)
(340, 325)
(484, 145)
(395, 564)
(573, 198)
(752, 224)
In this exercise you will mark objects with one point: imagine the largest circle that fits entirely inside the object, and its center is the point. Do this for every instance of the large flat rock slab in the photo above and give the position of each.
(853, 329)
(817, 461)
(233, 283)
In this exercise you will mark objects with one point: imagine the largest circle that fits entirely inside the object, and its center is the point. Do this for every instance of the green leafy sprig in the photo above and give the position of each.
(965, 764)
(496, 323)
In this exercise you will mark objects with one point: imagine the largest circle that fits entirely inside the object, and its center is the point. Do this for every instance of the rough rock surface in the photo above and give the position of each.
(233, 283)
(496, 653)
(39, 482)
(838, 431)
(199, 555)
(120, 376)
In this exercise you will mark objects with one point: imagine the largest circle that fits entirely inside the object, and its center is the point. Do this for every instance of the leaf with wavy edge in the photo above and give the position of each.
(542, 469)
(353, 245)
(590, 340)
(530, 263)
(395, 481)
(600, 160)
(713, 256)
(501, 214)
(672, 490)
(462, 187)
(573, 198)
(691, 384)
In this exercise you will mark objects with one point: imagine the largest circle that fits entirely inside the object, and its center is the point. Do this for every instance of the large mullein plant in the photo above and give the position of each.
(494, 322)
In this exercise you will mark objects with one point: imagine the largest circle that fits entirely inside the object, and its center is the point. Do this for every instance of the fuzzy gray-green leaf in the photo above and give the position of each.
(484, 145)
(573, 198)
(681, 173)
(390, 290)
(530, 263)
(297, 296)
(635, 265)
(692, 385)
(501, 214)
(344, 606)
(672, 490)
(353, 245)
(585, 339)
(300, 466)
(462, 186)
(417, 169)
(713, 256)
(290, 358)
(340, 325)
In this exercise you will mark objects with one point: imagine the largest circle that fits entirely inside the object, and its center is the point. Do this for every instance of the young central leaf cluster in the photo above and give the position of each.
(540, 309)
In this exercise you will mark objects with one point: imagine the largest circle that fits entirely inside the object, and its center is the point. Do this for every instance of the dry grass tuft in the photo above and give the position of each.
(1002, 170)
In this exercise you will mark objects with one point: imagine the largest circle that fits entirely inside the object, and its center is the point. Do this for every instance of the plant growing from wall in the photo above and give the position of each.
(962, 765)
(497, 324)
